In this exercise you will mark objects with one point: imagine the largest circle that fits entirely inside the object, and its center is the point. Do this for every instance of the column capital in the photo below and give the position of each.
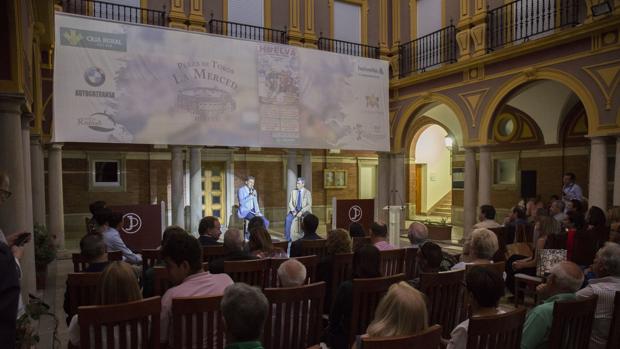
(12, 103)
(599, 139)
(27, 117)
(56, 146)
(35, 139)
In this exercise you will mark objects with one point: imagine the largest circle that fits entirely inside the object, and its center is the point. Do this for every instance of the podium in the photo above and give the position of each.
(394, 224)
(142, 225)
(345, 212)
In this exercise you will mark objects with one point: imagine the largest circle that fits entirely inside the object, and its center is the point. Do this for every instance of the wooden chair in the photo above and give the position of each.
(366, 296)
(360, 241)
(525, 285)
(613, 341)
(342, 270)
(150, 257)
(392, 261)
(411, 254)
(80, 263)
(496, 331)
(446, 297)
(428, 339)
(197, 323)
(281, 244)
(137, 323)
(501, 233)
(162, 281)
(294, 319)
(572, 323)
(310, 262)
(497, 267)
(252, 272)
(313, 247)
(210, 253)
(81, 290)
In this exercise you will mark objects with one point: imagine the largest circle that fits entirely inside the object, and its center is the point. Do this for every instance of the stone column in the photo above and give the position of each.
(383, 186)
(56, 207)
(617, 174)
(469, 201)
(178, 205)
(598, 173)
(484, 177)
(397, 180)
(195, 188)
(37, 166)
(291, 171)
(307, 168)
(27, 262)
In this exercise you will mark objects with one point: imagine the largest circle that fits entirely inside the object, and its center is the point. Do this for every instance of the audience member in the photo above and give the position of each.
(118, 284)
(292, 273)
(482, 247)
(254, 223)
(417, 234)
(516, 220)
(244, 309)
(606, 267)
(112, 237)
(401, 312)
(575, 205)
(532, 208)
(557, 210)
(338, 241)
(148, 289)
(485, 288)
(92, 227)
(261, 245)
(597, 226)
(309, 225)
(570, 190)
(366, 264)
(428, 260)
(356, 230)
(580, 244)
(183, 257)
(209, 230)
(486, 218)
(378, 237)
(234, 244)
(562, 283)
(613, 218)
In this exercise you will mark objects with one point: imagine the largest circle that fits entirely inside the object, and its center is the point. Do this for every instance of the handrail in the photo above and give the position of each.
(428, 51)
(348, 48)
(247, 31)
(117, 12)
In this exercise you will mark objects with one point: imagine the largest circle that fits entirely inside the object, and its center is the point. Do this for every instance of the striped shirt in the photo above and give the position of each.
(605, 288)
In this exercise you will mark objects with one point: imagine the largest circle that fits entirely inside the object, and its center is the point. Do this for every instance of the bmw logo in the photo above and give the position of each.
(94, 76)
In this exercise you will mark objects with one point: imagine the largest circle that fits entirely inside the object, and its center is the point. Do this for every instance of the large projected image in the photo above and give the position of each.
(125, 83)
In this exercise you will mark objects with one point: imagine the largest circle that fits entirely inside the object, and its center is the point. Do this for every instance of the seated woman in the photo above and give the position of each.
(484, 289)
(544, 227)
(482, 247)
(118, 284)
(366, 264)
(401, 312)
(338, 241)
(261, 245)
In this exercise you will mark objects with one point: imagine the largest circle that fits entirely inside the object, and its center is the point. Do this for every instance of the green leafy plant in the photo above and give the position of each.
(34, 310)
(44, 248)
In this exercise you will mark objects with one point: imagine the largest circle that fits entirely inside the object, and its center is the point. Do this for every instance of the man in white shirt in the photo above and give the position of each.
(486, 218)
(571, 190)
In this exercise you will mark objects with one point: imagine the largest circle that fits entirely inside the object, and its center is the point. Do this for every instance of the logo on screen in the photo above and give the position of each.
(131, 223)
(355, 213)
(94, 76)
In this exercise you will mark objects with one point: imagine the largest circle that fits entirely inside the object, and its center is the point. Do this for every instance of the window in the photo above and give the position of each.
(246, 12)
(505, 171)
(107, 172)
(347, 22)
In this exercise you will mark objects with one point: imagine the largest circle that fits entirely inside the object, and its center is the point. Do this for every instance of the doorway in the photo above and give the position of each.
(214, 190)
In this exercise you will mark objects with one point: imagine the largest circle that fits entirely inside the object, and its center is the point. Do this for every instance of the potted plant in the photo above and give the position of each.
(439, 230)
(27, 336)
(44, 253)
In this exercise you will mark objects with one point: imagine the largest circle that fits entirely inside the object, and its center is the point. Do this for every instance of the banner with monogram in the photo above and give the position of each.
(127, 83)
(142, 226)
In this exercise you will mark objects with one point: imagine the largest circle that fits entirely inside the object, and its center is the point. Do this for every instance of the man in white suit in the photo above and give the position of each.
(299, 203)
(248, 201)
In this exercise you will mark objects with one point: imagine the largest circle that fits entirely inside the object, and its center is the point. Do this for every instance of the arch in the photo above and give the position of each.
(561, 77)
(399, 141)
(417, 128)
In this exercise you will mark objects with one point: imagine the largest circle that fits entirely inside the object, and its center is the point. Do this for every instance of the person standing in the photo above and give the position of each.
(299, 203)
(248, 202)
(571, 191)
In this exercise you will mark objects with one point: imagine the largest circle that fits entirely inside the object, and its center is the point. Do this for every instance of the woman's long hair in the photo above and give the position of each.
(118, 284)
(401, 312)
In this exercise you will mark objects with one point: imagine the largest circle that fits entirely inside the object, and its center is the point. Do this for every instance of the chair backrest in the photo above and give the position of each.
(150, 257)
(115, 256)
(572, 323)
(310, 262)
(428, 339)
(613, 341)
(313, 247)
(133, 324)
(360, 241)
(392, 261)
(252, 272)
(210, 253)
(366, 296)
(80, 263)
(445, 298)
(411, 254)
(501, 233)
(197, 323)
(342, 270)
(496, 331)
(281, 244)
(161, 281)
(294, 319)
(497, 267)
(81, 290)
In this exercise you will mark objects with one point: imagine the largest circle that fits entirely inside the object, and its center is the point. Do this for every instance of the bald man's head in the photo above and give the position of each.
(291, 273)
(567, 277)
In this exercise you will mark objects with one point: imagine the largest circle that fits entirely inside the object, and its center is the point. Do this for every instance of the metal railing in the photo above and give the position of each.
(246, 31)
(348, 48)
(430, 50)
(523, 20)
(106, 10)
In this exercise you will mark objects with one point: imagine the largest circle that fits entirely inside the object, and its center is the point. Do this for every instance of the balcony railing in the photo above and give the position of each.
(115, 12)
(246, 31)
(428, 51)
(523, 20)
(348, 48)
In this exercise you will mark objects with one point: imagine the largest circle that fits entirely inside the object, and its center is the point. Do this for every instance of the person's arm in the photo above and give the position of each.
(115, 243)
(255, 198)
(585, 292)
(291, 207)
(458, 338)
(534, 331)
(308, 207)
(244, 196)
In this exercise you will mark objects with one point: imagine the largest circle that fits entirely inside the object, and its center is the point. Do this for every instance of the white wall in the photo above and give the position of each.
(437, 179)
(347, 22)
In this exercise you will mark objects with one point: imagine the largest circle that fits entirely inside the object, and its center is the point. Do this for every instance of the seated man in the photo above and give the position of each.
(183, 257)
(482, 248)
(92, 227)
(486, 218)
(244, 309)
(417, 234)
(148, 284)
(565, 279)
(209, 230)
(234, 244)
(428, 260)
(291, 273)
(112, 238)
(309, 225)
(516, 218)
(378, 237)
(607, 269)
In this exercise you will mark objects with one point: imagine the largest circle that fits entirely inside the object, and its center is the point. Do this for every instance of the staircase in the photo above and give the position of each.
(443, 208)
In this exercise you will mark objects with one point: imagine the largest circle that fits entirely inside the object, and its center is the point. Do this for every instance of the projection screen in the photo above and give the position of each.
(126, 83)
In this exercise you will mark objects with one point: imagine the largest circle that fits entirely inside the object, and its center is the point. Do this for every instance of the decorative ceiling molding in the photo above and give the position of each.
(607, 77)
(473, 100)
